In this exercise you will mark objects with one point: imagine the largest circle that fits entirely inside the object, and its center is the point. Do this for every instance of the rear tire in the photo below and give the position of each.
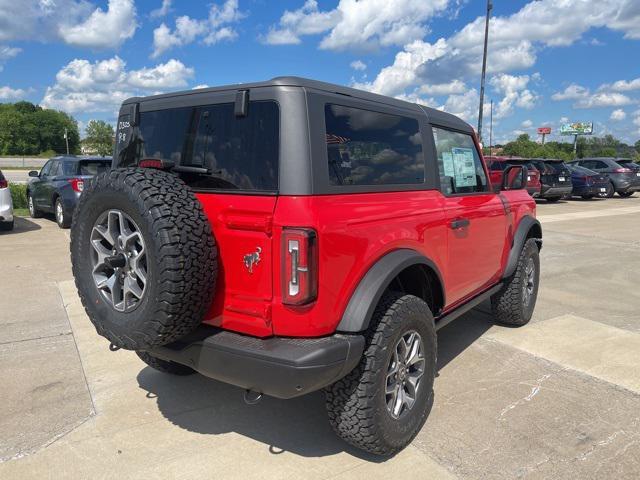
(553, 199)
(62, 218)
(7, 226)
(626, 194)
(33, 210)
(164, 366)
(514, 303)
(358, 405)
(587, 197)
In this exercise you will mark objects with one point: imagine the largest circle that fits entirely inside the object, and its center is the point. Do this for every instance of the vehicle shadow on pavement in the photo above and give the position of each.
(21, 225)
(209, 407)
(299, 425)
(459, 335)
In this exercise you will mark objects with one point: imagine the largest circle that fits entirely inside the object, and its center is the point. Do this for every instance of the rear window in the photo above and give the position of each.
(232, 153)
(86, 167)
(372, 148)
(497, 166)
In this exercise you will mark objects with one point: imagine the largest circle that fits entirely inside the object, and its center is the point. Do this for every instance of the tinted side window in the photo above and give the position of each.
(236, 152)
(46, 169)
(459, 164)
(372, 148)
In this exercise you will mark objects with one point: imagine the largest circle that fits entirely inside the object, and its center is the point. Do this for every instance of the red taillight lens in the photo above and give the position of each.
(77, 184)
(587, 180)
(622, 170)
(4, 184)
(299, 266)
(150, 163)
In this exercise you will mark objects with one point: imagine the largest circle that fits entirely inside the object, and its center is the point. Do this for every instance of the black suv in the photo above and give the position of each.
(555, 178)
(622, 179)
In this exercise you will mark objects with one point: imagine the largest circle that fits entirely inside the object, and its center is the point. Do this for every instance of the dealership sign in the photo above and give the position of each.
(576, 128)
(544, 130)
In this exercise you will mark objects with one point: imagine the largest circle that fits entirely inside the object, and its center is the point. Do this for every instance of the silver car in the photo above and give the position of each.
(6, 205)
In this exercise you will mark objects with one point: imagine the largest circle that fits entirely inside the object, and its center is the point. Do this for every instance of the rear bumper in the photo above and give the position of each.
(555, 191)
(533, 191)
(6, 212)
(589, 190)
(280, 367)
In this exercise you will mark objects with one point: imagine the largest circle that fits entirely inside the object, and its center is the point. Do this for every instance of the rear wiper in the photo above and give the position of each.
(189, 169)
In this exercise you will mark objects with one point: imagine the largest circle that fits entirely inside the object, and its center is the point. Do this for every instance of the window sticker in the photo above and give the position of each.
(465, 170)
(447, 163)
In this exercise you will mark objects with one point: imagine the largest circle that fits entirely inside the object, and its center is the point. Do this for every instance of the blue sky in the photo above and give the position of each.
(549, 61)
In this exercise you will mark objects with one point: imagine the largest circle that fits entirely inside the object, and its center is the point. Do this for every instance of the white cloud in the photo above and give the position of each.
(527, 124)
(358, 65)
(163, 10)
(603, 99)
(211, 30)
(618, 115)
(8, 93)
(464, 106)
(450, 88)
(75, 22)
(622, 85)
(102, 29)
(513, 43)
(202, 85)
(515, 93)
(7, 53)
(572, 92)
(82, 86)
(358, 25)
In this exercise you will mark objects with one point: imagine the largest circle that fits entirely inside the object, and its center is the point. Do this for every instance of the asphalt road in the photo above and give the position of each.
(559, 398)
(16, 176)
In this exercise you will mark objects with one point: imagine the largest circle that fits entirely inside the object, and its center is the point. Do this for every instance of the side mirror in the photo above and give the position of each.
(34, 173)
(514, 177)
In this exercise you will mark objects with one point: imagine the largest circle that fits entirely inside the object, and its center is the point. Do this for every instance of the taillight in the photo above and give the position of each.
(622, 170)
(4, 184)
(299, 266)
(587, 180)
(77, 184)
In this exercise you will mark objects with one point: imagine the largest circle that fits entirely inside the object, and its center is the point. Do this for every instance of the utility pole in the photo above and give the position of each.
(491, 129)
(484, 68)
(66, 139)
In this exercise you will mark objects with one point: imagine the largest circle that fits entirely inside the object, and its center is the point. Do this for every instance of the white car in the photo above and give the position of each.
(6, 205)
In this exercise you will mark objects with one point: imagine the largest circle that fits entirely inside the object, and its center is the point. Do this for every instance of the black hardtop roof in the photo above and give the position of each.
(434, 115)
(74, 158)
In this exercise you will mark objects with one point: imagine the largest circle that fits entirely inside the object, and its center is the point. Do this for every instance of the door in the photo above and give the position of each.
(38, 185)
(475, 216)
(48, 187)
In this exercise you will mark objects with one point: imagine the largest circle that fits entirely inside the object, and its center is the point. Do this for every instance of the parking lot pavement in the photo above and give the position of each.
(559, 398)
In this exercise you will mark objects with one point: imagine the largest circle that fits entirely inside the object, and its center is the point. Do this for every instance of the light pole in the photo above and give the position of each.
(484, 68)
(491, 129)
(66, 138)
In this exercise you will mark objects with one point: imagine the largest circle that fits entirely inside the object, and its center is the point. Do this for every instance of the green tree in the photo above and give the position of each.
(99, 137)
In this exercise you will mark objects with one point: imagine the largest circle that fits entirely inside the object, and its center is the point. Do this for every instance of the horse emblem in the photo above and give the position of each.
(251, 259)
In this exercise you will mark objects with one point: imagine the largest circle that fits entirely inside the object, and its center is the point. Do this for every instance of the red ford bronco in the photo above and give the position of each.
(292, 235)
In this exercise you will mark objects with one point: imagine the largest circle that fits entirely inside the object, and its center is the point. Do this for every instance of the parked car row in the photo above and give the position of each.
(552, 179)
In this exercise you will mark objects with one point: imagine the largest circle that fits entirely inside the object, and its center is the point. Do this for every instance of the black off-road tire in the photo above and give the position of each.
(626, 194)
(508, 305)
(356, 404)
(181, 256)
(165, 366)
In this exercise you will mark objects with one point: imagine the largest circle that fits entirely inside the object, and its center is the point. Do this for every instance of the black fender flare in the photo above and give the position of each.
(522, 233)
(366, 296)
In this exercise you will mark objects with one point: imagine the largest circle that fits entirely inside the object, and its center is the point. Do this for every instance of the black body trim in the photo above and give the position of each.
(364, 300)
(276, 366)
(447, 318)
(526, 224)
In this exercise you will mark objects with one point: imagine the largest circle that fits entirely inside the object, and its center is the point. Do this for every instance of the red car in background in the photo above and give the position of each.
(497, 166)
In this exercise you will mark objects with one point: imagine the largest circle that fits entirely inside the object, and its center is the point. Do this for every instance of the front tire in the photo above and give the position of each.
(33, 211)
(553, 199)
(164, 366)
(626, 194)
(62, 218)
(611, 190)
(514, 303)
(382, 404)
(587, 197)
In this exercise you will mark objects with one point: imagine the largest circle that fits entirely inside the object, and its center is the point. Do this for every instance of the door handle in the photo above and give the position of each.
(460, 223)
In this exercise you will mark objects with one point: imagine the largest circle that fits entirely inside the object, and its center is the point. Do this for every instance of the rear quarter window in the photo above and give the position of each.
(366, 147)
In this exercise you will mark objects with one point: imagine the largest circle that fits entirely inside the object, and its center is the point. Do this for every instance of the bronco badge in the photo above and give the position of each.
(251, 259)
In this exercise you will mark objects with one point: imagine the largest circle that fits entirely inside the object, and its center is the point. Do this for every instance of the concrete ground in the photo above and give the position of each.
(559, 398)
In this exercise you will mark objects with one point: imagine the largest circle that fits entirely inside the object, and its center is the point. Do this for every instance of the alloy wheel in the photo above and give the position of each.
(404, 374)
(528, 285)
(119, 260)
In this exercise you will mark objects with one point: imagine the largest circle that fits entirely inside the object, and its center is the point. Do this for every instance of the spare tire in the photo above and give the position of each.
(144, 257)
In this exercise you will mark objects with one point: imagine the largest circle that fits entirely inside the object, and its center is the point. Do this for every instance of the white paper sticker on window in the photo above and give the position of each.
(447, 163)
(465, 170)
